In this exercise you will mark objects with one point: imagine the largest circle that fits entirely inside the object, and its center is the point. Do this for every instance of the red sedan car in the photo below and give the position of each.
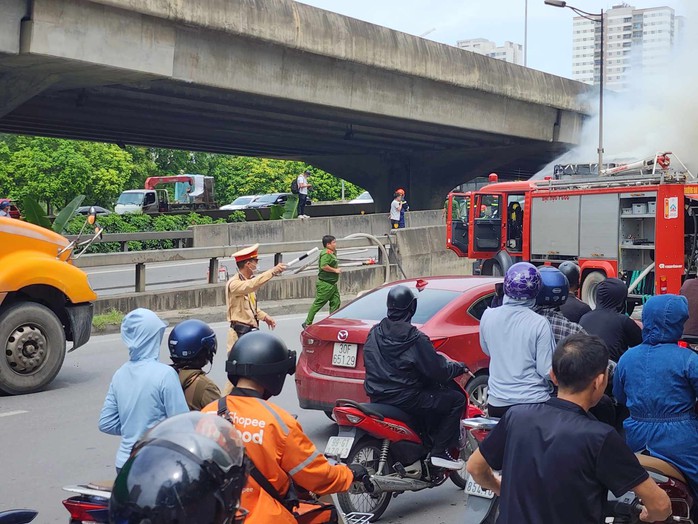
(331, 364)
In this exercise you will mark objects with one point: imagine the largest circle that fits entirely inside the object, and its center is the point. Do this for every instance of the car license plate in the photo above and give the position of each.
(473, 488)
(339, 446)
(344, 355)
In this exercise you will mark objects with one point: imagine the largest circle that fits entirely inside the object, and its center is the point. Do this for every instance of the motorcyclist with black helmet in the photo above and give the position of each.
(281, 454)
(573, 309)
(192, 344)
(404, 370)
(553, 294)
(189, 468)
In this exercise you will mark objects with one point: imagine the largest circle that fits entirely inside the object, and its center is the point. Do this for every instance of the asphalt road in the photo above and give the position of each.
(50, 439)
(111, 280)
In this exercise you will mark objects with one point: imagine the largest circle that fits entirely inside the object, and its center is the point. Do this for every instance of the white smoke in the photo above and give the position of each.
(658, 113)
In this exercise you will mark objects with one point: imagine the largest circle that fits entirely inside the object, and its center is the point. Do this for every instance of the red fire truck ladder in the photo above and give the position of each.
(651, 171)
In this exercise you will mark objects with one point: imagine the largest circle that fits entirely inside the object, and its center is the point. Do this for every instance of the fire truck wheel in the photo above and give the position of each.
(589, 284)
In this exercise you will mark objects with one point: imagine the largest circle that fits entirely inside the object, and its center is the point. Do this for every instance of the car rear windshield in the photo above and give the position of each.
(373, 305)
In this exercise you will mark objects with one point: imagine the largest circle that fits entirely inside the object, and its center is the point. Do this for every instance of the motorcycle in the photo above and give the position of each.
(669, 479)
(387, 442)
(482, 505)
(90, 504)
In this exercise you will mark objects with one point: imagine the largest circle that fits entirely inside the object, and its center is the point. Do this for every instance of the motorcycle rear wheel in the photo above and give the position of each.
(459, 477)
(367, 453)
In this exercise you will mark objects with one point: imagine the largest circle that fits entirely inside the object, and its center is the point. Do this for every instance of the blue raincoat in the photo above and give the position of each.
(143, 391)
(658, 381)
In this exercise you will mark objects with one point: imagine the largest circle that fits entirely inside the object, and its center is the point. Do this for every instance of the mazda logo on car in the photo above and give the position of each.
(342, 335)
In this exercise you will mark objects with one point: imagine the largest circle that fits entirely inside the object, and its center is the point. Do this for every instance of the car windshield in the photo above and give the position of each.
(373, 305)
(130, 198)
(267, 198)
(239, 201)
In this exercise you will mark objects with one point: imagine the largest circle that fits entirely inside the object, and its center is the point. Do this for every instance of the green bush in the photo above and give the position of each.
(138, 223)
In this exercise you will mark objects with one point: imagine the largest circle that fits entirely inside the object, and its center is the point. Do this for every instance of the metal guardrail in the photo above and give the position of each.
(213, 254)
(181, 239)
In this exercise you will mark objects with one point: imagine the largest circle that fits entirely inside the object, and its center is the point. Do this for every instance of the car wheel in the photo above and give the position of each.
(33, 343)
(477, 389)
(589, 285)
(367, 453)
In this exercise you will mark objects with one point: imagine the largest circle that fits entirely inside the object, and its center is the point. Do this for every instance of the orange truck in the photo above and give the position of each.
(637, 221)
(44, 301)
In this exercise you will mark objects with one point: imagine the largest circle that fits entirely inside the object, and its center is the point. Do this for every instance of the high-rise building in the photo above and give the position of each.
(509, 52)
(637, 42)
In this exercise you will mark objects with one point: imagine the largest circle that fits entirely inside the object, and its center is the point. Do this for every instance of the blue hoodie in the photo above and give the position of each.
(658, 381)
(143, 391)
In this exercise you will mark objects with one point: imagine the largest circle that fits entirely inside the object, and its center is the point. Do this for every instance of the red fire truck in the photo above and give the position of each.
(637, 221)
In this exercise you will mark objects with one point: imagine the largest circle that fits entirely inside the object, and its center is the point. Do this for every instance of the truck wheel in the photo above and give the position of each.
(33, 348)
(589, 284)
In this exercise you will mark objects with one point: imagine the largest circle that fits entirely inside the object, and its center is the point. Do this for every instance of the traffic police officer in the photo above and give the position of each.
(243, 311)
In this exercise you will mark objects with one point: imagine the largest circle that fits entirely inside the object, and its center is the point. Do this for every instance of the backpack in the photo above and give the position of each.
(294, 186)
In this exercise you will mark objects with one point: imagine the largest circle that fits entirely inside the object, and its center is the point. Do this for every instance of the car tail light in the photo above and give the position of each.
(80, 509)
(438, 342)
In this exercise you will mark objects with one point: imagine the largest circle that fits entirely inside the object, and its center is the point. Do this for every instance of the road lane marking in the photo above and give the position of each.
(10, 413)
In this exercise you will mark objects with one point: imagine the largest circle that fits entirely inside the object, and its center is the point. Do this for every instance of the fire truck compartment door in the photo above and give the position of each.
(599, 217)
(555, 226)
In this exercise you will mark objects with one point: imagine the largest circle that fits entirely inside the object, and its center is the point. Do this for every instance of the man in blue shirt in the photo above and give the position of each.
(143, 391)
(519, 343)
(557, 461)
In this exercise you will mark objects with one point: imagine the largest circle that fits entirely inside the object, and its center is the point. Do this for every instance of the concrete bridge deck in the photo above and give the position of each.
(279, 79)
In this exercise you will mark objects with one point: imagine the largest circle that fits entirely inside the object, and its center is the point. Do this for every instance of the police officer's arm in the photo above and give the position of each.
(309, 468)
(172, 395)
(109, 421)
(431, 364)
(244, 287)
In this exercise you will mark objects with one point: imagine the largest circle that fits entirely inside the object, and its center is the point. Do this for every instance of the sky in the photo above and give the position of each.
(549, 28)
(658, 113)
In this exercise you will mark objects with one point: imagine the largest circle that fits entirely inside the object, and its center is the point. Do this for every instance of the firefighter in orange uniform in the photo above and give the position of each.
(243, 313)
(274, 441)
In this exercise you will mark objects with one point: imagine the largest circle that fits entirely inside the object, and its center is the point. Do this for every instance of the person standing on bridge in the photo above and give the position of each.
(395, 210)
(303, 186)
(326, 289)
(404, 208)
(241, 299)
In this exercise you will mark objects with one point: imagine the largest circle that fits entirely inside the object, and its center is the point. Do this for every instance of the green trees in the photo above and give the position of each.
(54, 171)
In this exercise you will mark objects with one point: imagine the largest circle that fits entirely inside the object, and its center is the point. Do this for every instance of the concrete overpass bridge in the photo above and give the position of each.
(279, 79)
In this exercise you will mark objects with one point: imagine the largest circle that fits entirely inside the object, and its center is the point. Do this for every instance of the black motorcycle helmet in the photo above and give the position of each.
(402, 303)
(571, 271)
(261, 357)
(189, 468)
(192, 342)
